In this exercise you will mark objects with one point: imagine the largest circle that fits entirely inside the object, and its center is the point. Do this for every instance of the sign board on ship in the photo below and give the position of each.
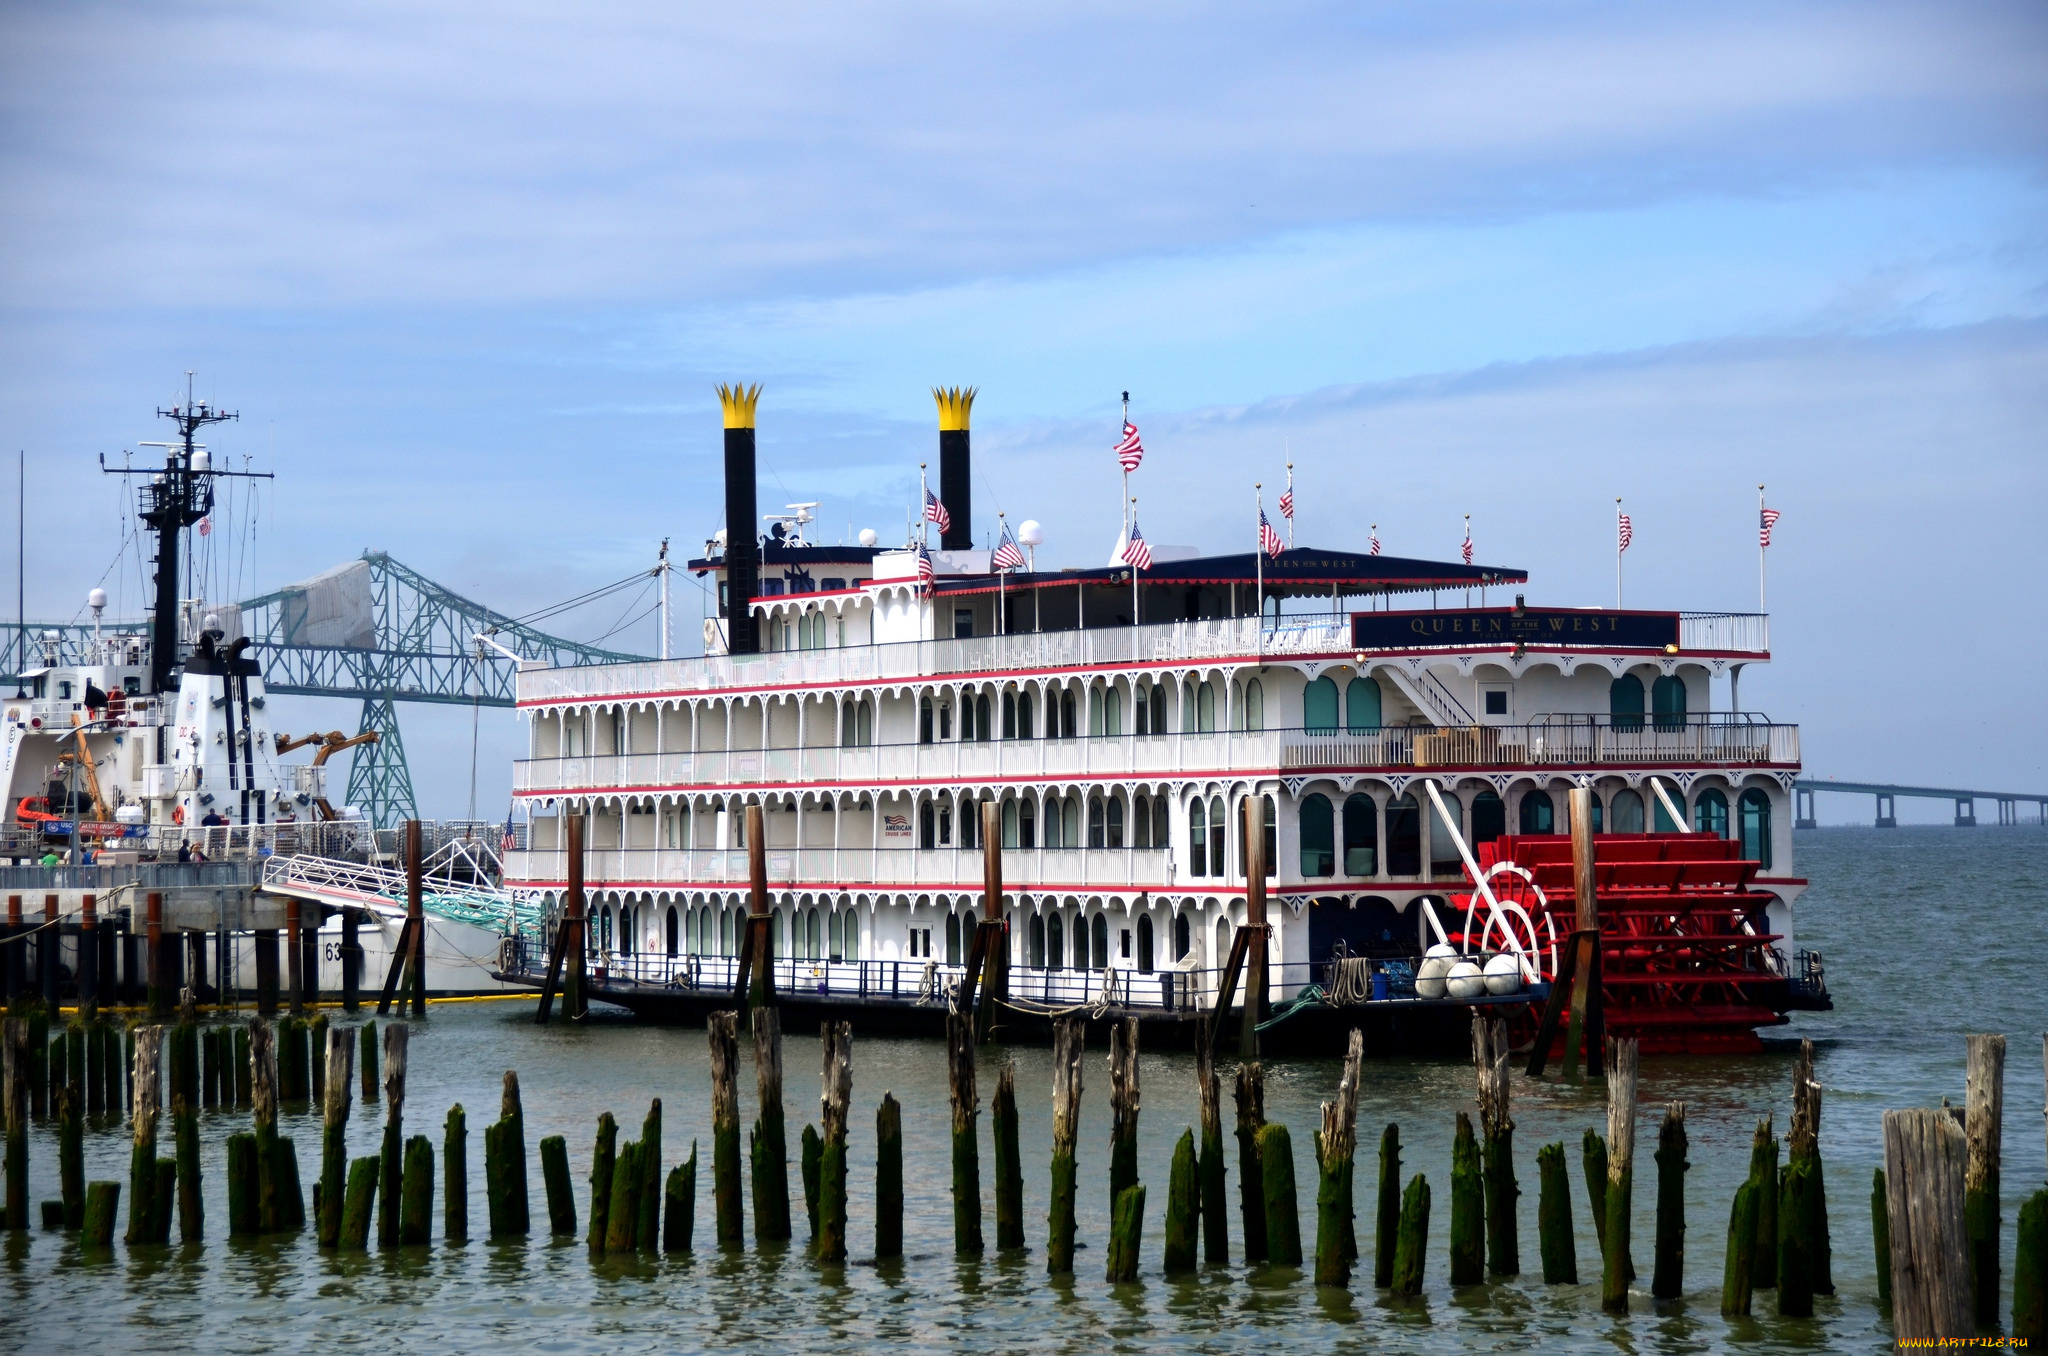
(1551, 628)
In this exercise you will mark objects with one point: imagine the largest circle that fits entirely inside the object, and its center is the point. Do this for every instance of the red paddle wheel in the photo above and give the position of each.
(1688, 962)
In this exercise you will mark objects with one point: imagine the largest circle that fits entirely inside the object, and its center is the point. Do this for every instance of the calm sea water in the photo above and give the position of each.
(1928, 934)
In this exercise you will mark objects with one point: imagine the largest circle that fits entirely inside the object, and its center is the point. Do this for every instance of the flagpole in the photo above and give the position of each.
(1259, 571)
(1002, 531)
(1617, 553)
(923, 520)
(1762, 591)
(1465, 550)
(1127, 472)
(1132, 506)
(1290, 500)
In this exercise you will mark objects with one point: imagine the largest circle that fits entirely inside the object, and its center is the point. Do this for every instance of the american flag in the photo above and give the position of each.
(1770, 520)
(1008, 555)
(1375, 540)
(1269, 540)
(935, 512)
(1130, 451)
(1287, 503)
(1468, 544)
(1628, 532)
(206, 527)
(925, 572)
(1137, 554)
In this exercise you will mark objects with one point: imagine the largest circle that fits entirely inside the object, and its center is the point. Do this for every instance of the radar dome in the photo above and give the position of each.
(202, 460)
(868, 536)
(96, 600)
(1029, 533)
(718, 537)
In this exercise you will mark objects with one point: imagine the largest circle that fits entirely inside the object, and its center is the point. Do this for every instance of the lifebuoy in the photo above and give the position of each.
(178, 815)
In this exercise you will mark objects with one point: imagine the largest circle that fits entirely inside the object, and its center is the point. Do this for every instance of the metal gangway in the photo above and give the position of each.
(382, 889)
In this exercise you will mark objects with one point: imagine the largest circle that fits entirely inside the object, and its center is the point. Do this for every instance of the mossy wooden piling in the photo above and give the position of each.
(505, 1165)
(416, 1194)
(888, 1179)
(1183, 1207)
(396, 1040)
(1763, 1172)
(1068, 1038)
(1283, 1209)
(835, 1103)
(1124, 1105)
(966, 1108)
(1983, 1117)
(1497, 1152)
(1387, 1217)
(554, 1176)
(1925, 1156)
(191, 1197)
(722, 1031)
(1593, 1162)
(71, 1154)
(166, 1191)
(1411, 1238)
(1250, 1096)
(337, 1088)
(622, 1215)
(243, 1220)
(1336, 1147)
(679, 1219)
(367, 1033)
(1554, 1239)
(455, 1169)
(1009, 1162)
(1209, 1169)
(1126, 1236)
(604, 1161)
(142, 1204)
(811, 1159)
(647, 1230)
(768, 1142)
(1468, 1208)
(1667, 1276)
(358, 1207)
(1616, 1270)
(1802, 1206)
(102, 1206)
(1738, 1274)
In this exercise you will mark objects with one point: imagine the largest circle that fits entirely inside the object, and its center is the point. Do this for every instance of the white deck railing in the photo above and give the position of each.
(941, 868)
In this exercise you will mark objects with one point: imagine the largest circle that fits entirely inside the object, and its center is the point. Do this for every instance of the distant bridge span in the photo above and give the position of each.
(1887, 795)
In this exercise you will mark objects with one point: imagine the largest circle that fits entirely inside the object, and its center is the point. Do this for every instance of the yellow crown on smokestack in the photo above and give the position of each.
(955, 404)
(738, 403)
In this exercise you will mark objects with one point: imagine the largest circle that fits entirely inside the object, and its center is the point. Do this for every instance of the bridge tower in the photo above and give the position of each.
(379, 779)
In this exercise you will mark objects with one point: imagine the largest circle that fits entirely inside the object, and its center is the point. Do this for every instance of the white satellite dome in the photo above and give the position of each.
(868, 536)
(96, 600)
(1030, 533)
(202, 460)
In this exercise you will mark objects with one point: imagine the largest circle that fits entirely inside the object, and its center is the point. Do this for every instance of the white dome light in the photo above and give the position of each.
(868, 536)
(1030, 533)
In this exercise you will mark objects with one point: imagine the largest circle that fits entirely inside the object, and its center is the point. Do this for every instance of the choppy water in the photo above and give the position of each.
(1928, 934)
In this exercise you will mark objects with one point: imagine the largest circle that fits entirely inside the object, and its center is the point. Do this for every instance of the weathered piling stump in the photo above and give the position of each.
(396, 1039)
(71, 1154)
(1983, 1116)
(966, 1107)
(243, 1219)
(1490, 1054)
(1738, 1275)
(1667, 1277)
(1009, 1162)
(1763, 1172)
(416, 1194)
(1251, 1118)
(1336, 1148)
(554, 1176)
(337, 1086)
(368, 1035)
(1387, 1216)
(1554, 1239)
(1126, 1236)
(1183, 1208)
(166, 1190)
(647, 1230)
(191, 1198)
(1124, 1105)
(455, 1164)
(102, 1206)
(768, 1142)
(1411, 1240)
(505, 1165)
(143, 1207)
(679, 1219)
(1468, 1208)
(1068, 1035)
(888, 1179)
(1593, 1161)
(811, 1167)
(1925, 1156)
(1209, 1163)
(835, 1101)
(1283, 1209)
(622, 1215)
(1616, 1270)
(1881, 1239)
(722, 1029)
(604, 1161)
(358, 1207)
(1802, 1208)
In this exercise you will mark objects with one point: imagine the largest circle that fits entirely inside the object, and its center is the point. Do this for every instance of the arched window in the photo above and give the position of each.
(1625, 702)
(1218, 863)
(1205, 709)
(674, 930)
(1010, 823)
(1025, 729)
(1660, 818)
(1489, 817)
(1667, 702)
(1756, 826)
(952, 939)
(1710, 813)
(1115, 810)
(1009, 715)
(1626, 814)
(1319, 706)
(1069, 726)
(1055, 943)
(1027, 824)
(726, 920)
(1070, 821)
(1187, 707)
(1095, 828)
(849, 923)
(1053, 837)
(1254, 706)
(781, 926)
(1159, 709)
(1318, 837)
(1112, 713)
(1443, 849)
(983, 731)
(1162, 812)
(1098, 932)
(864, 730)
(1362, 705)
(1181, 939)
(1404, 836)
(1539, 813)
(1198, 837)
(927, 825)
(1141, 820)
(1141, 708)
(1361, 835)
(849, 725)
(924, 720)
(1034, 951)
(1144, 943)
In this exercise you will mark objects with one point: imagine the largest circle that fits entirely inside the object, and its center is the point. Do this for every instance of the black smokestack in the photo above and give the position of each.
(956, 467)
(742, 545)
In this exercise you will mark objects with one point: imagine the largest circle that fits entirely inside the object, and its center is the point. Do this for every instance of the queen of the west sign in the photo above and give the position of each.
(1590, 627)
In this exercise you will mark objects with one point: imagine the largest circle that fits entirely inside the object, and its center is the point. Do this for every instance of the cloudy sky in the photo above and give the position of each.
(468, 272)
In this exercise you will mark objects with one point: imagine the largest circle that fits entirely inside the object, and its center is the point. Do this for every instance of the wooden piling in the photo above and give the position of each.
(416, 1195)
(1616, 1269)
(1468, 1208)
(505, 1165)
(622, 1215)
(680, 1206)
(71, 1154)
(416, 920)
(1411, 1242)
(835, 1102)
(14, 1050)
(811, 1158)
(263, 1093)
(317, 1031)
(1336, 1147)
(368, 1032)
(166, 1190)
(1123, 1108)
(1802, 1219)
(243, 1220)
(647, 1229)
(1184, 1209)
(554, 1176)
(1283, 1212)
(38, 1062)
(1126, 1236)
(1009, 1162)
(102, 1205)
(1925, 1153)
(767, 1144)
(889, 1180)
(358, 1207)
(966, 1141)
(1387, 1217)
(722, 1029)
(1251, 1118)
(1738, 1274)
(396, 1039)
(1554, 1238)
(1068, 1036)
(191, 1199)
(1497, 1154)
(1583, 1029)
(1763, 1172)
(1667, 1277)
(143, 1207)
(1209, 1164)
(210, 1065)
(604, 1161)
(1983, 1116)
(1881, 1238)
(455, 1165)
(338, 1084)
